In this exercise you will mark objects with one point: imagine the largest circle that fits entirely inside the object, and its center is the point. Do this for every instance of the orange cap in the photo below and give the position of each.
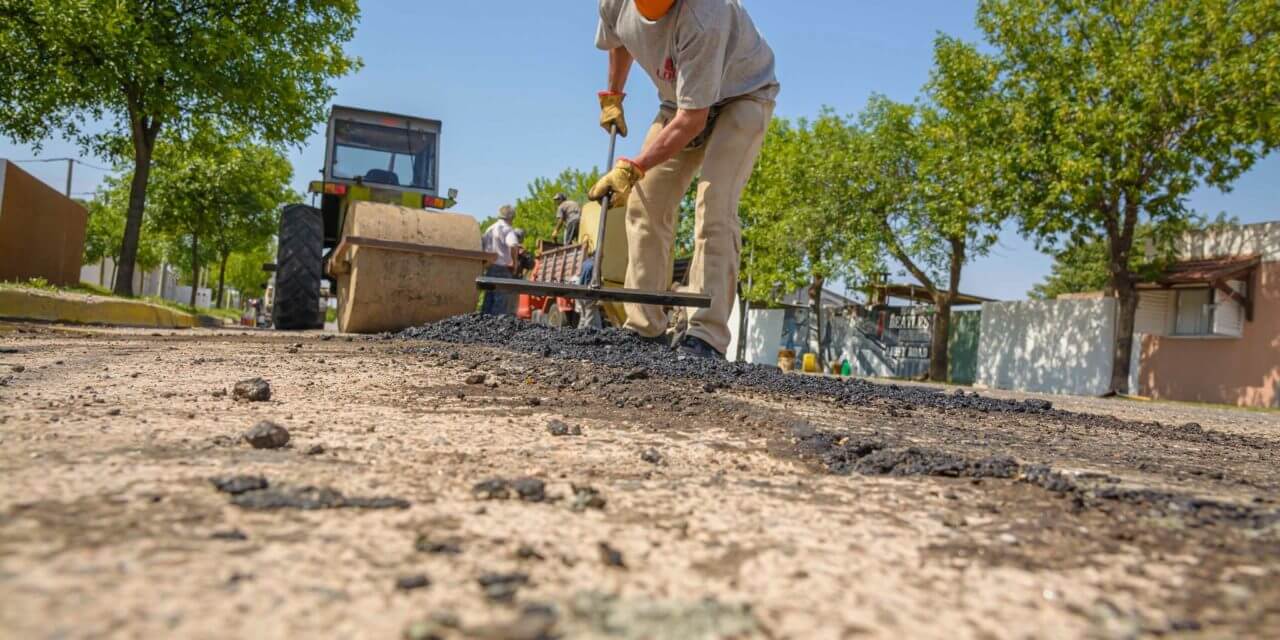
(654, 9)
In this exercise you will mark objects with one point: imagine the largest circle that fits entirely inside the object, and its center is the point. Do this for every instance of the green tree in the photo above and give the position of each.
(686, 221)
(803, 224)
(1078, 268)
(928, 175)
(143, 66)
(249, 206)
(244, 270)
(1120, 109)
(1082, 266)
(105, 229)
(536, 212)
(218, 193)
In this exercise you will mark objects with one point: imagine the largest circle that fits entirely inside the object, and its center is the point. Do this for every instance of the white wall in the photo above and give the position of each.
(182, 295)
(146, 283)
(1261, 239)
(1053, 346)
(764, 335)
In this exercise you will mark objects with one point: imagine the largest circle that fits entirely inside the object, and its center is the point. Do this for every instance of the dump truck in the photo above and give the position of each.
(380, 235)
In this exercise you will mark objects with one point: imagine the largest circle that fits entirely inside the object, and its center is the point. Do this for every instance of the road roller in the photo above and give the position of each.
(381, 235)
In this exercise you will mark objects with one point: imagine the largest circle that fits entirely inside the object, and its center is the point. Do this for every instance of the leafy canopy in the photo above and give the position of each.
(135, 64)
(536, 211)
(1126, 107)
(221, 188)
(105, 227)
(801, 211)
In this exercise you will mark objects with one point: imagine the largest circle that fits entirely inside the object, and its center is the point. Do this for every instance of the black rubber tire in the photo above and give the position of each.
(299, 269)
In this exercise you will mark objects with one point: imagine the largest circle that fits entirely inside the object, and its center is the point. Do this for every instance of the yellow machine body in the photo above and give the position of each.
(398, 266)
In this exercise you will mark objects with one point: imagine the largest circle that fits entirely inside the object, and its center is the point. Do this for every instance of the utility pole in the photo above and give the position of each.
(71, 164)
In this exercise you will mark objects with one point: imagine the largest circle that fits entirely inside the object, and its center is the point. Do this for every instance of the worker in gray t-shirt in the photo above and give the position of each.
(568, 216)
(715, 75)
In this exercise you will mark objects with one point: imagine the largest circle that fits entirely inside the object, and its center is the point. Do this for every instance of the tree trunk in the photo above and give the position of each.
(743, 308)
(195, 267)
(222, 278)
(1127, 311)
(102, 271)
(815, 299)
(1120, 244)
(939, 360)
(115, 270)
(940, 340)
(144, 138)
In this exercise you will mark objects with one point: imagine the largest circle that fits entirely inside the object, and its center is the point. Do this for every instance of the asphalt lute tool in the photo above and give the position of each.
(596, 290)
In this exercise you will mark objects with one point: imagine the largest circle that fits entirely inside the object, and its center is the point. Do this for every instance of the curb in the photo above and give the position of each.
(31, 305)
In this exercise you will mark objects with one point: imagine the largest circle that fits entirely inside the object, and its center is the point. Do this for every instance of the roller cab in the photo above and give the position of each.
(380, 236)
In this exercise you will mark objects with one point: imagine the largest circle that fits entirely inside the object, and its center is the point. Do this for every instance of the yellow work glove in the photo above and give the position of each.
(611, 112)
(617, 182)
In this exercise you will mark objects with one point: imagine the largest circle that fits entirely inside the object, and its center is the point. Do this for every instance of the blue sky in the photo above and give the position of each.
(515, 83)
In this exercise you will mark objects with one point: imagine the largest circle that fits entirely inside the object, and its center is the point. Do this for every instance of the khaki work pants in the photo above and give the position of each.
(726, 161)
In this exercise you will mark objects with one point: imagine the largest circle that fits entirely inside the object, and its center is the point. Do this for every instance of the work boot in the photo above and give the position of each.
(698, 348)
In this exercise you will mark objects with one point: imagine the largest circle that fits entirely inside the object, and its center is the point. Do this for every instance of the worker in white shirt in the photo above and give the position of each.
(500, 240)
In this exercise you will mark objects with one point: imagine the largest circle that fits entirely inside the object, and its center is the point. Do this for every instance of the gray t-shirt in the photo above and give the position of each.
(702, 53)
(568, 210)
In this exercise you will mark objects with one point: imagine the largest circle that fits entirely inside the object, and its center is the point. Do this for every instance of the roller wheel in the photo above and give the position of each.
(299, 266)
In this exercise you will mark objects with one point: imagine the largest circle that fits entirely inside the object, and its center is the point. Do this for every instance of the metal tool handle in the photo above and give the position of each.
(597, 264)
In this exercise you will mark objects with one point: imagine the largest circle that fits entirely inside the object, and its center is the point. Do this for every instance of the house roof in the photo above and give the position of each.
(1214, 272)
(917, 293)
(1206, 271)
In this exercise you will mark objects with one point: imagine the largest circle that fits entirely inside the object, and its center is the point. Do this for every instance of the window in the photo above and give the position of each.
(1195, 313)
(384, 155)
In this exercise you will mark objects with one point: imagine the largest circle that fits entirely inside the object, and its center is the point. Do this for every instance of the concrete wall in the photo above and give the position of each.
(1261, 239)
(764, 335)
(1053, 346)
(145, 284)
(41, 230)
(1241, 371)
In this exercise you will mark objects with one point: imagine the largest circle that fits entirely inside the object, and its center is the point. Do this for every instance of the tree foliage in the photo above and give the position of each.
(112, 74)
(218, 193)
(803, 220)
(801, 212)
(1120, 109)
(1083, 266)
(536, 211)
(244, 270)
(928, 176)
(104, 228)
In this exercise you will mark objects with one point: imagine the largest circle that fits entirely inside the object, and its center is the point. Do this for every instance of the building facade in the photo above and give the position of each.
(1210, 327)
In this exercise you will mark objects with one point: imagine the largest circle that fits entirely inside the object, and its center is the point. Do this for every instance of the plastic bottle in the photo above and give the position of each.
(846, 369)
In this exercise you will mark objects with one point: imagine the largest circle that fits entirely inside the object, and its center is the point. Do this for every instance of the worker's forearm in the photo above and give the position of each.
(673, 138)
(619, 68)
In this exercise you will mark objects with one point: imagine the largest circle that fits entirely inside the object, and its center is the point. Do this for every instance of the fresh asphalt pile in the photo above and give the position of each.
(844, 453)
(623, 350)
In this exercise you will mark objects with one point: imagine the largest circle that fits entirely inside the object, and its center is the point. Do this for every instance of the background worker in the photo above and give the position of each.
(715, 75)
(500, 239)
(568, 217)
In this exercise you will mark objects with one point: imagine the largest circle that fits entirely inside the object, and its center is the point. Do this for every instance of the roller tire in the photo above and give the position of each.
(299, 269)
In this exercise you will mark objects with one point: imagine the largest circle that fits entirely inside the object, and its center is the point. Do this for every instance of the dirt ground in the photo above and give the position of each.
(409, 503)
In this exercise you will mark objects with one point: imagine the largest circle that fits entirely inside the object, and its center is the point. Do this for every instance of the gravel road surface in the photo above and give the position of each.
(487, 480)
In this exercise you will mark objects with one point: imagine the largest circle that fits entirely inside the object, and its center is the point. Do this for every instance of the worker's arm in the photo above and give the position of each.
(620, 61)
(628, 172)
(673, 138)
(611, 114)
